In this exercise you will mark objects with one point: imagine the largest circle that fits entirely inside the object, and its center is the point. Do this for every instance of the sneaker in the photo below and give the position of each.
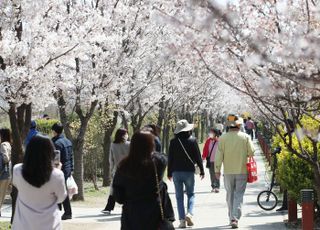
(182, 224)
(106, 212)
(189, 220)
(234, 224)
(66, 217)
(216, 190)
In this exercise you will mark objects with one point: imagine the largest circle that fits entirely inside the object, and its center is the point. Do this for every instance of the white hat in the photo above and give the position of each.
(183, 126)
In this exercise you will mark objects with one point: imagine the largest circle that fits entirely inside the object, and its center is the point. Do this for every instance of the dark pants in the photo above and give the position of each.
(110, 204)
(215, 183)
(250, 132)
(66, 204)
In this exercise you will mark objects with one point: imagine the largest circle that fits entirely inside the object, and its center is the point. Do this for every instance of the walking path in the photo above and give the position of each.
(210, 209)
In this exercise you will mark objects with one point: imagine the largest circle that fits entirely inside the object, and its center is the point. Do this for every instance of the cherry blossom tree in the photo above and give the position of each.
(265, 50)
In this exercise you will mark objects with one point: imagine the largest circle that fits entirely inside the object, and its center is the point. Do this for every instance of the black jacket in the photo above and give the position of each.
(66, 155)
(178, 160)
(139, 197)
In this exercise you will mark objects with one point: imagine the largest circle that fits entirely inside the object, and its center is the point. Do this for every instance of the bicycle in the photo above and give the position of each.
(268, 200)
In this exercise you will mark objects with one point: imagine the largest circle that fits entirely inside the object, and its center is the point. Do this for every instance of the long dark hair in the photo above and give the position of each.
(5, 135)
(37, 163)
(139, 161)
(118, 138)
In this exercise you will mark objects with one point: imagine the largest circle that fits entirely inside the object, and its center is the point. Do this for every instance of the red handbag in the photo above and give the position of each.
(252, 170)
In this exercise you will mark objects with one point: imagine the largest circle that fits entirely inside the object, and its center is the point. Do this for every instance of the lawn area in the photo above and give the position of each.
(93, 198)
(5, 225)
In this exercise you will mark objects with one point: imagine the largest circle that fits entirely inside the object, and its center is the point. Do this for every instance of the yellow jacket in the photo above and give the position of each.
(233, 150)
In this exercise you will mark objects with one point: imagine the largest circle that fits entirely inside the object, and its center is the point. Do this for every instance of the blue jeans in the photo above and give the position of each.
(186, 179)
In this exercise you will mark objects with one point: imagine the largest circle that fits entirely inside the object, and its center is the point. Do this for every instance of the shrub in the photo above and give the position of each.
(44, 126)
(294, 173)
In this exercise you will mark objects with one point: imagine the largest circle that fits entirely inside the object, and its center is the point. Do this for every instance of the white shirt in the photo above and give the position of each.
(37, 208)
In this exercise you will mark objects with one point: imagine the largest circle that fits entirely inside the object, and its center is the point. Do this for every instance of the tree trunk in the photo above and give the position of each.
(94, 181)
(78, 169)
(106, 164)
(161, 114)
(166, 134)
(78, 140)
(106, 148)
(203, 126)
(211, 120)
(20, 119)
(124, 121)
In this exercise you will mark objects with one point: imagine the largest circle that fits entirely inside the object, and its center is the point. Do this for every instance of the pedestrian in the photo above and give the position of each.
(32, 132)
(184, 153)
(233, 151)
(135, 184)
(250, 127)
(155, 130)
(5, 159)
(118, 151)
(64, 145)
(208, 153)
(40, 188)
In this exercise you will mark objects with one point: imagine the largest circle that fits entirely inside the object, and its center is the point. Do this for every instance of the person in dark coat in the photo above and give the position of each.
(32, 132)
(184, 153)
(134, 184)
(64, 145)
(155, 130)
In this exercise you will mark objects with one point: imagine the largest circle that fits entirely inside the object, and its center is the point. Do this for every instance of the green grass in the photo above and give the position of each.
(5, 225)
(93, 197)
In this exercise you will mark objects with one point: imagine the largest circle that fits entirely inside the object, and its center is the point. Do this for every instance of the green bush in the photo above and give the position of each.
(44, 126)
(294, 173)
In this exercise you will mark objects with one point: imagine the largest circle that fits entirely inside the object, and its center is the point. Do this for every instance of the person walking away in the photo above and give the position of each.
(155, 130)
(40, 188)
(250, 127)
(32, 132)
(135, 185)
(64, 145)
(233, 151)
(5, 158)
(208, 153)
(184, 153)
(118, 151)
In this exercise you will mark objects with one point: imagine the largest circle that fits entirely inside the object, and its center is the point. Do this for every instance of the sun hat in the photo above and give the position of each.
(234, 121)
(183, 126)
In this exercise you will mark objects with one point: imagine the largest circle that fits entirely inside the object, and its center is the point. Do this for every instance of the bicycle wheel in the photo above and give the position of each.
(267, 200)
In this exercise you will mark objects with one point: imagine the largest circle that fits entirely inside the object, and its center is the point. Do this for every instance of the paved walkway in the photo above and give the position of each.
(210, 209)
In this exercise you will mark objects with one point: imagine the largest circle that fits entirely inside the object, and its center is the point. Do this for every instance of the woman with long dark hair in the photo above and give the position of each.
(135, 186)
(5, 158)
(41, 187)
(119, 149)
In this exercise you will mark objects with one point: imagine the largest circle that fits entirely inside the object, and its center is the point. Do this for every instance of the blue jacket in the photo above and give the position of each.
(64, 145)
(32, 132)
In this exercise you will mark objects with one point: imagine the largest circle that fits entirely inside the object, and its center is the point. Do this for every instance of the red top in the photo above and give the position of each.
(205, 151)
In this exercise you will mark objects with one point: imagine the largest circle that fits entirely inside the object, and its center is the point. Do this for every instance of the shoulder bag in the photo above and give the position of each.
(209, 156)
(197, 169)
(164, 224)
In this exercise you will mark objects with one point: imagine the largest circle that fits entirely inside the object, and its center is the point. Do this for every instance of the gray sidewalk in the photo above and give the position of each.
(210, 209)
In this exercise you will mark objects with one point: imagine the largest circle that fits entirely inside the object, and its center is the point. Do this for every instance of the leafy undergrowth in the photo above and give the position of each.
(5, 225)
